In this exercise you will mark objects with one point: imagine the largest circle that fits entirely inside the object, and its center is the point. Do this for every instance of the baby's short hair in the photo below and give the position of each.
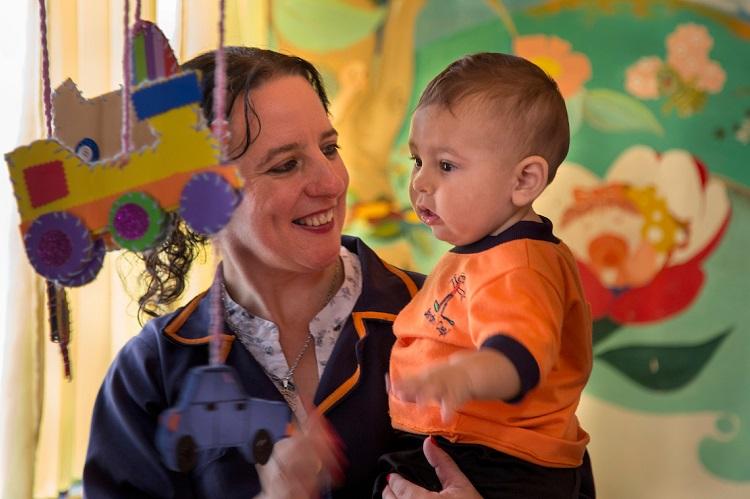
(510, 87)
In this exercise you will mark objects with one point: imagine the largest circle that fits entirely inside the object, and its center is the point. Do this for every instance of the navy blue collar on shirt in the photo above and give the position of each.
(541, 231)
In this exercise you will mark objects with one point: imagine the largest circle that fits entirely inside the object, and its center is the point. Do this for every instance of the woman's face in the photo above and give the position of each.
(293, 208)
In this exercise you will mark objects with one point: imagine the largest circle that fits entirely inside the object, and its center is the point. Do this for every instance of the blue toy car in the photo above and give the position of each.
(213, 411)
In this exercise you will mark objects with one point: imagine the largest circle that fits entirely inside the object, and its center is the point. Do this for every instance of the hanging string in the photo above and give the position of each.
(137, 12)
(220, 125)
(47, 92)
(220, 130)
(126, 77)
(57, 301)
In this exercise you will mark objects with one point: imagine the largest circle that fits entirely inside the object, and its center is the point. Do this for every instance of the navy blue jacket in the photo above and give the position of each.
(148, 373)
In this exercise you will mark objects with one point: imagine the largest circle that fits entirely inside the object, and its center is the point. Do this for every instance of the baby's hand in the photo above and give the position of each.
(447, 384)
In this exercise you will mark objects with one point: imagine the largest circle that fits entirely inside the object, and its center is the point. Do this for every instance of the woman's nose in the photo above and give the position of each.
(329, 178)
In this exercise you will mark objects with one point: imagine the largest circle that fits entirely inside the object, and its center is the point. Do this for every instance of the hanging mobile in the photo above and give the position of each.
(79, 194)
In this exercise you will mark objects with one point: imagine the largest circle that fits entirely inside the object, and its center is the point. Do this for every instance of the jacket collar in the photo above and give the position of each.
(385, 290)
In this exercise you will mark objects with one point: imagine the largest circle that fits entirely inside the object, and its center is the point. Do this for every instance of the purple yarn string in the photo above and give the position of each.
(219, 128)
(59, 321)
(126, 76)
(137, 11)
(220, 125)
(216, 318)
(47, 99)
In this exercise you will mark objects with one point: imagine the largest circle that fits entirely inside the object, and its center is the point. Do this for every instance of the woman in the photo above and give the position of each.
(312, 312)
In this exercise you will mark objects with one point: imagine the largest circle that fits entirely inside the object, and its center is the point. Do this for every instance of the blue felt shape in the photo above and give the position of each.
(88, 150)
(214, 412)
(162, 96)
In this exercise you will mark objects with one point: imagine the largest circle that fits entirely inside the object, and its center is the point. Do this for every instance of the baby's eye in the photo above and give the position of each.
(331, 150)
(446, 167)
(285, 167)
(417, 161)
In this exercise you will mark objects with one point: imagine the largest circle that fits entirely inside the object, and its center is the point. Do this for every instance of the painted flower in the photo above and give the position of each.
(641, 79)
(687, 48)
(685, 77)
(554, 55)
(711, 78)
(641, 234)
(383, 218)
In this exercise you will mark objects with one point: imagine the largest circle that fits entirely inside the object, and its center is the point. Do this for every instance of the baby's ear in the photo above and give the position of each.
(531, 175)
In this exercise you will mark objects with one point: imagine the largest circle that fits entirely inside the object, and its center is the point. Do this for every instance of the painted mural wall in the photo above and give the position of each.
(654, 198)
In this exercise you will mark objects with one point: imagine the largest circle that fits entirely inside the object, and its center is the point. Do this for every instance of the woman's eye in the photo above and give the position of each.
(446, 167)
(331, 150)
(417, 161)
(285, 167)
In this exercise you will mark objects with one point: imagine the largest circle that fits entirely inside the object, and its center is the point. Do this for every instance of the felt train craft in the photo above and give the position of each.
(79, 197)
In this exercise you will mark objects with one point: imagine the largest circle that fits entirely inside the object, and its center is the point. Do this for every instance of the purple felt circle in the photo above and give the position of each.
(54, 248)
(207, 202)
(58, 245)
(91, 269)
(131, 221)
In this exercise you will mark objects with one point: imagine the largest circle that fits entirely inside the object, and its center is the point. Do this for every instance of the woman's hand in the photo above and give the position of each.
(301, 465)
(454, 482)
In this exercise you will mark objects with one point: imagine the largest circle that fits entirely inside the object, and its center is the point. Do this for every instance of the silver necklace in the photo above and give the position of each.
(285, 383)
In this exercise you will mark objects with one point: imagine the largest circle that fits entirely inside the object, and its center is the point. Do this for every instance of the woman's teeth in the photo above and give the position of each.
(316, 220)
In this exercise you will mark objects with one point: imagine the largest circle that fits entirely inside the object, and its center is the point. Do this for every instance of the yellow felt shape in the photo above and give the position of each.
(49, 177)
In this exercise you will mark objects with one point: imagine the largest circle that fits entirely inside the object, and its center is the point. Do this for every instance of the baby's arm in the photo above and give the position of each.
(483, 374)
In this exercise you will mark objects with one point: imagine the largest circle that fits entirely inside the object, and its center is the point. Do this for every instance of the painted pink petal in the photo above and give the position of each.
(714, 242)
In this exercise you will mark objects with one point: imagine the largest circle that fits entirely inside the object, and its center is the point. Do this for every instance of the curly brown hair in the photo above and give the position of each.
(247, 68)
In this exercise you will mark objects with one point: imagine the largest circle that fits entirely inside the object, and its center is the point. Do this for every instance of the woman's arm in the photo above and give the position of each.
(303, 465)
(122, 460)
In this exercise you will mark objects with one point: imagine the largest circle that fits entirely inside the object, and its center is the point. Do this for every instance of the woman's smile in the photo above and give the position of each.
(321, 221)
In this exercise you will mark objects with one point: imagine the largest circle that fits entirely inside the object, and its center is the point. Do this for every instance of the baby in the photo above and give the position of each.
(493, 353)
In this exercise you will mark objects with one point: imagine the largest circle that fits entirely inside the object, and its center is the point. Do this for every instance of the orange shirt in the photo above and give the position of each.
(518, 292)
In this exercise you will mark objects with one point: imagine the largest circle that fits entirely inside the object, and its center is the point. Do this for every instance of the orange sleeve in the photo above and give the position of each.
(524, 306)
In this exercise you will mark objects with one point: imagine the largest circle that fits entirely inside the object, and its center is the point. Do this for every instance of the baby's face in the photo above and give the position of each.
(461, 182)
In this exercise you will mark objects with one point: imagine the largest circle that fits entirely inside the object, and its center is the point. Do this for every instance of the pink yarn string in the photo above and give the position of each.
(219, 128)
(216, 317)
(57, 305)
(126, 76)
(47, 91)
(137, 12)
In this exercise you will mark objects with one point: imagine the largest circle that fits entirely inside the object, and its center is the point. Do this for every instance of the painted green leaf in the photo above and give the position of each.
(612, 111)
(603, 329)
(575, 110)
(663, 368)
(323, 25)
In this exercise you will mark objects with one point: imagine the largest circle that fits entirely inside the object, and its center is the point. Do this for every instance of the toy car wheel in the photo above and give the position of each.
(185, 453)
(207, 202)
(58, 245)
(90, 270)
(262, 446)
(136, 221)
